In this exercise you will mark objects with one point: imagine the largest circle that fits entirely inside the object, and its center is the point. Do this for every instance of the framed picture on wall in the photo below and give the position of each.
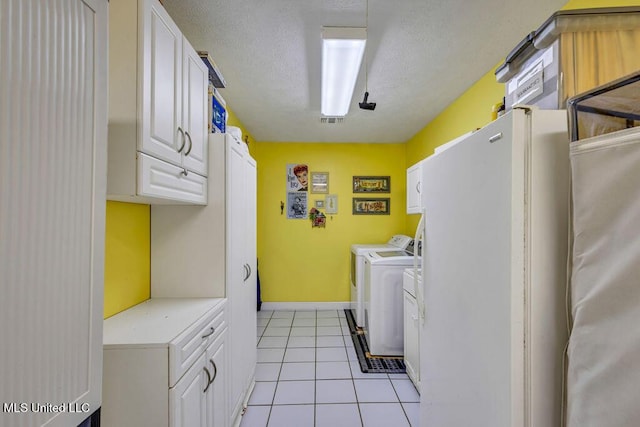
(319, 204)
(371, 206)
(319, 182)
(371, 184)
(331, 204)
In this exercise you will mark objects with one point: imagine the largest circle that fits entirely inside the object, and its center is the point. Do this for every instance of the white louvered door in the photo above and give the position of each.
(53, 88)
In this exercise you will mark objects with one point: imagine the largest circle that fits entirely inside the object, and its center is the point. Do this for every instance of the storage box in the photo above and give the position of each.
(217, 111)
(215, 76)
(605, 109)
(219, 116)
(573, 51)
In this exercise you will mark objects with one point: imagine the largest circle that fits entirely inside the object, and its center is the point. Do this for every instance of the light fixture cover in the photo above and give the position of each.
(342, 52)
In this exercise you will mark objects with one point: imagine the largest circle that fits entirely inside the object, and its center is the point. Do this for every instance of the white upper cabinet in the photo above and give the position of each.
(194, 110)
(161, 84)
(157, 108)
(414, 188)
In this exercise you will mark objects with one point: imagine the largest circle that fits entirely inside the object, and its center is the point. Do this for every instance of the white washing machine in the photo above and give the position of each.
(383, 301)
(358, 251)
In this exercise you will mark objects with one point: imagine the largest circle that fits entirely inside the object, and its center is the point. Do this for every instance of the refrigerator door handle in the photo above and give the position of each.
(495, 137)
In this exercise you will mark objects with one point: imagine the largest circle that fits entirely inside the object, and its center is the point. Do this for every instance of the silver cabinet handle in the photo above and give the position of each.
(215, 371)
(246, 272)
(190, 143)
(208, 379)
(249, 267)
(208, 334)
(418, 186)
(184, 172)
(181, 132)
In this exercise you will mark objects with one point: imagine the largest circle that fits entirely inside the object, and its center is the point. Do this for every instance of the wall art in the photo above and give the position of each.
(371, 206)
(371, 184)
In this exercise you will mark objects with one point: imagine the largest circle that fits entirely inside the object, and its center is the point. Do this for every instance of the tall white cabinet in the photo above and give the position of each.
(157, 108)
(53, 130)
(210, 251)
(241, 266)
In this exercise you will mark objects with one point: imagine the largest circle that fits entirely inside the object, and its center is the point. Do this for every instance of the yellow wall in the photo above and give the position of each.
(586, 4)
(127, 256)
(301, 263)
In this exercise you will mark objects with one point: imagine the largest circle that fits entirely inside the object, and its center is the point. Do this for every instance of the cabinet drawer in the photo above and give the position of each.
(187, 347)
(157, 178)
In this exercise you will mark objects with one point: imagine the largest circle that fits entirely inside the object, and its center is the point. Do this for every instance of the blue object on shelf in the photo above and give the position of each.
(219, 115)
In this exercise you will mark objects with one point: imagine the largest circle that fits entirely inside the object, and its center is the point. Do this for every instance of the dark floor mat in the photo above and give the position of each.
(368, 363)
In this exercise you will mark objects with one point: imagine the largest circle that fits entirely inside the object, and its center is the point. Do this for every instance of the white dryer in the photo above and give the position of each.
(383, 301)
(358, 252)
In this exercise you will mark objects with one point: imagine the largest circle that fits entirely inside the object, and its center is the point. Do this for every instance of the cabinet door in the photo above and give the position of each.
(414, 184)
(411, 339)
(162, 132)
(194, 110)
(237, 269)
(53, 116)
(217, 395)
(187, 400)
(166, 181)
(250, 254)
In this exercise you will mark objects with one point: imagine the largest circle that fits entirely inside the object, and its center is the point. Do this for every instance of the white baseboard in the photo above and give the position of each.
(268, 306)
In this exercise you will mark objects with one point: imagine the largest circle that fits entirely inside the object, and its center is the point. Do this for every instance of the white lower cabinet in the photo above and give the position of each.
(165, 364)
(188, 399)
(217, 395)
(411, 328)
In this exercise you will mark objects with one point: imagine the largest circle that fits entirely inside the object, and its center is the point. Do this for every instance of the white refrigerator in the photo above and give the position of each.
(494, 275)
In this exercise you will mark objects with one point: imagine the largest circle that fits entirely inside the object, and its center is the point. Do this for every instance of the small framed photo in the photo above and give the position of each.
(371, 184)
(371, 206)
(319, 182)
(319, 204)
(331, 204)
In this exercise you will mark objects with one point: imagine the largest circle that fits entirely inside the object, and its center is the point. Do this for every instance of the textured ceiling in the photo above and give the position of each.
(421, 55)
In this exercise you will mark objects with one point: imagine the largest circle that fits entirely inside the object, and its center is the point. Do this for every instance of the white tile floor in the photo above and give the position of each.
(308, 375)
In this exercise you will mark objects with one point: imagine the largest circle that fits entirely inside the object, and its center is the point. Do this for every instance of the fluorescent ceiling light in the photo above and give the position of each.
(342, 51)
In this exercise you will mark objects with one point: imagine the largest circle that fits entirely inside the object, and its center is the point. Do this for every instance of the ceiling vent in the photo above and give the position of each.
(331, 120)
